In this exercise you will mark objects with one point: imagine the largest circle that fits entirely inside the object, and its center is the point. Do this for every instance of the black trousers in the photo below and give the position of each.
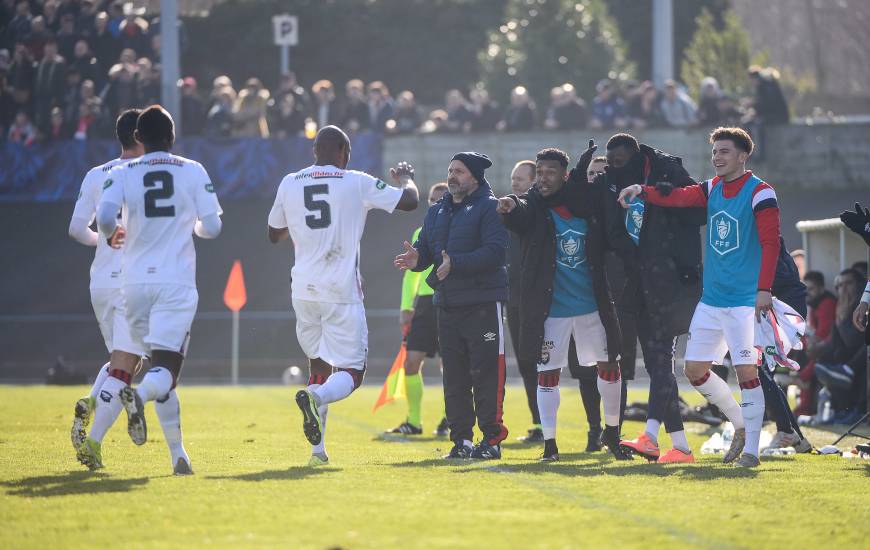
(471, 341)
(528, 369)
(658, 358)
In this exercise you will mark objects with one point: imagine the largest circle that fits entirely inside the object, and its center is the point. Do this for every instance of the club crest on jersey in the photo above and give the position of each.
(570, 248)
(209, 187)
(107, 183)
(380, 184)
(724, 233)
(634, 219)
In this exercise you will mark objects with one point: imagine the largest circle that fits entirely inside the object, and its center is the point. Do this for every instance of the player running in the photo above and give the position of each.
(167, 200)
(420, 327)
(323, 209)
(743, 244)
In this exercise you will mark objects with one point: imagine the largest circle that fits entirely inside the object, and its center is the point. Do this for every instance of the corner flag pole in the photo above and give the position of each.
(235, 298)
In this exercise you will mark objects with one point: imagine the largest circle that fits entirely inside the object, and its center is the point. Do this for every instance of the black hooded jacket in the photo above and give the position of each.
(532, 222)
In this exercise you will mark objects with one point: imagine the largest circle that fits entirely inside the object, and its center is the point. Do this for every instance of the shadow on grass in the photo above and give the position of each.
(73, 483)
(399, 438)
(291, 473)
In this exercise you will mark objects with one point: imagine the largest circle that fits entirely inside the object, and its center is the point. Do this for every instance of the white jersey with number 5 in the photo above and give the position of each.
(325, 210)
(164, 195)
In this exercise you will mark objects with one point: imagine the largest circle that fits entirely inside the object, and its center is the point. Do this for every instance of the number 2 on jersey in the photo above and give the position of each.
(165, 191)
(320, 206)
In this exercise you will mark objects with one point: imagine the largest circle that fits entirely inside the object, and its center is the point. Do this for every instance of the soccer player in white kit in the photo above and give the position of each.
(323, 209)
(167, 199)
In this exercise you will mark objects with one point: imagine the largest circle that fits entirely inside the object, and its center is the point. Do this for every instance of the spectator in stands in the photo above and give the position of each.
(769, 105)
(58, 129)
(21, 76)
(5, 60)
(37, 37)
(822, 305)
(128, 57)
(22, 131)
(380, 106)
(51, 16)
(644, 106)
(356, 109)
(133, 30)
(708, 106)
(729, 112)
(485, 113)
(407, 117)
(116, 17)
(249, 110)
(86, 21)
(566, 111)
(289, 85)
(7, 106)
(48, 89)
(72, 94)
(217, 86)
(67, 36)
(19, 27)
(437, 122)
(800, 260)
(86, 64)
(104, 44)
(192, 109)
(458, 114)
(219, 122)
(326, 108)
(287, 117)
(121, 92)
(520, 116)
(678, 109)
(608, 109)
(842, 360)
(147, 82)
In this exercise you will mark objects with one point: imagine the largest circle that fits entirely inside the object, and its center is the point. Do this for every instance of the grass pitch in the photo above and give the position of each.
(251, 488)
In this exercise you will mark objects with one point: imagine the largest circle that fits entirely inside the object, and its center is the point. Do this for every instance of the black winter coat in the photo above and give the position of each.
(532, 221)
(472, 235)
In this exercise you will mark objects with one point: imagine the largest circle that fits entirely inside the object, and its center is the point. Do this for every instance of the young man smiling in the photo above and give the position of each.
(743, 244)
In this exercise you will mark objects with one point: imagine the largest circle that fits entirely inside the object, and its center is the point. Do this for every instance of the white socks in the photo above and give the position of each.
(108, 407)
(323, 410)
(679, 441)
(338, 386)
(611, 393)
(548, 407)
(169, 414)
(717, 392)
(652, 429)
(156, 384)
(102, 374)
(752, 406)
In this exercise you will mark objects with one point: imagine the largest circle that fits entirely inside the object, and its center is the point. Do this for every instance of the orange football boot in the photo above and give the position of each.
(642, 446)
(676, 456)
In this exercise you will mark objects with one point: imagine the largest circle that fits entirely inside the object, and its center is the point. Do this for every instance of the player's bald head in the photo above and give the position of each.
(332, 146)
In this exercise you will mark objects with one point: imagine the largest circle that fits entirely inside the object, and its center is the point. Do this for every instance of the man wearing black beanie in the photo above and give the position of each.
(465, 241)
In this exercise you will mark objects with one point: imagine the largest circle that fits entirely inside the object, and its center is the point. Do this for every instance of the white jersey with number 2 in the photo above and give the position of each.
(164, 195)
(325, 208)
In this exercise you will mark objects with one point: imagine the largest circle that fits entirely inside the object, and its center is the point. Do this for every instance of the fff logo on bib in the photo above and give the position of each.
(724, 233)
(571, 248)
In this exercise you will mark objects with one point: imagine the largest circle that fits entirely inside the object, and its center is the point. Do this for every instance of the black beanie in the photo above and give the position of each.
(476, 164)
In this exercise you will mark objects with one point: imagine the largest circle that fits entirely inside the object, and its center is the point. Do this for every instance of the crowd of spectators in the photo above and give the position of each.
(68, 67)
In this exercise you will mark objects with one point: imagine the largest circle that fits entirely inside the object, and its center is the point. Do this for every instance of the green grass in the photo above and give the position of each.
(251, 488)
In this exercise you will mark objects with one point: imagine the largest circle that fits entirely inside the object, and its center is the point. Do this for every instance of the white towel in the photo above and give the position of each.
(779, 332)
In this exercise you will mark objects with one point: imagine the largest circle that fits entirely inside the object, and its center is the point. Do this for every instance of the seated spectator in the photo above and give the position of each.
(520, 116)
(458, 115)
(104, 44)
(356, 109)
(287, 117)
(407, 117)
(678, 109)
(821, 310)
(58, 129)
(192, 109)
(326, 108)
(485, 113)
(608, 109)
(644, 106)
(708, 106)
(380, 106)
(22, 131)
(249, 110)
(769, 105)
(566, 111)
(219, 122)
(841, 362)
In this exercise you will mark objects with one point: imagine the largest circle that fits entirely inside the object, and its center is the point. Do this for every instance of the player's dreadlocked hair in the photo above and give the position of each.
(551, 153)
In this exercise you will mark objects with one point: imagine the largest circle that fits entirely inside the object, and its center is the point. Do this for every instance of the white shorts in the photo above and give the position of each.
(336, 333)
(590, 339)
(160, 316)
(109, 308)
(717, 330)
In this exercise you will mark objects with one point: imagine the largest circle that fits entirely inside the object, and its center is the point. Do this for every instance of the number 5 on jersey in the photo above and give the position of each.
(324, 219)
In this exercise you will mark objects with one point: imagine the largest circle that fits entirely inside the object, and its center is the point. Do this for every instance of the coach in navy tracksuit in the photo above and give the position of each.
(465, 241)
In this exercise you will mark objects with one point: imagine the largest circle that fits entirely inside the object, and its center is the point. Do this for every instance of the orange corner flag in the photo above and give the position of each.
(235, 296)
(394, 385)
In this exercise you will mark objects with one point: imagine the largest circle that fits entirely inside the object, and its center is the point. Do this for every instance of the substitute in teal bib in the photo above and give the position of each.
(573, 294)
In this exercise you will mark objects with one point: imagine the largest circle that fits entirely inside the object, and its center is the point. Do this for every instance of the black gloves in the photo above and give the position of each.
(664, 188)
(586, 157)
(858, 221)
